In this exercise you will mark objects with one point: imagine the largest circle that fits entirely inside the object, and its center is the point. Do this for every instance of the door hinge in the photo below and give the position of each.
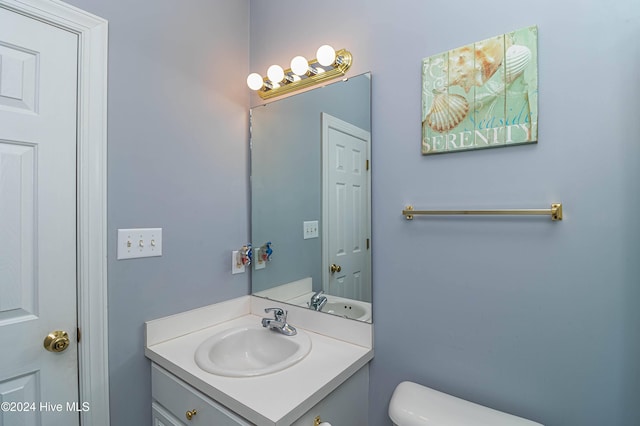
(367, 165)
(367, 244)
(78, 334)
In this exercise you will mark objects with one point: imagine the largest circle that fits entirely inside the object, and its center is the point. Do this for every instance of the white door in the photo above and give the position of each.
(38, 80)
(346, 215)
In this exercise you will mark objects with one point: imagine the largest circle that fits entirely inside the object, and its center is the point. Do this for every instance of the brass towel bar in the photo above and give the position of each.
(555, 212)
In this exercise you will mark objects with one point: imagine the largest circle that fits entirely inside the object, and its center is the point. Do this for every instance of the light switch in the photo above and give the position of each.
(139, 242)
(310, 229)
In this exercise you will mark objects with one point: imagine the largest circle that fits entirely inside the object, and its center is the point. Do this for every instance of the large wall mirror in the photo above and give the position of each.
(311, 199)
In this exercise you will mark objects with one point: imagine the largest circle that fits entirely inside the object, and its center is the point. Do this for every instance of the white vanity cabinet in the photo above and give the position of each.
(331, 381)
(161, 417)
(174, 402)
(347, 405)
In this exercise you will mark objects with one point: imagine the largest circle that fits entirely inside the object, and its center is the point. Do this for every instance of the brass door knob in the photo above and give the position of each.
(335, 268)
(191, 413)
(56, 341)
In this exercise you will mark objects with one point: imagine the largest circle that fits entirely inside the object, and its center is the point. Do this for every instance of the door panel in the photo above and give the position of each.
(17, 231)
(21, 393)
(38, 90)
(347, 221)
(18, 79)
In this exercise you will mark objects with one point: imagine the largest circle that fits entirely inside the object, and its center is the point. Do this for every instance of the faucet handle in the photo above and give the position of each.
(316, 295)
(279, 313)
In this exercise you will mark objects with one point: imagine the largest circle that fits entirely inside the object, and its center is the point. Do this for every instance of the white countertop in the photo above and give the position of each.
(273, 399)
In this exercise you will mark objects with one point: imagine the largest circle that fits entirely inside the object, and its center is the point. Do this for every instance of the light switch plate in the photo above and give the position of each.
(139, 242)
(310, 229)
(260, 264)
(257, 259)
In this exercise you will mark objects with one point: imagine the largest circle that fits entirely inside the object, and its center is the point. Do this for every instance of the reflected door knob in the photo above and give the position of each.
(335, 268)
(56, 341)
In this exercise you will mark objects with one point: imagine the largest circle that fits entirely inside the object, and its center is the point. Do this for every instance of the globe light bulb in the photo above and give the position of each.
(254, 81)
(326, 55)
(275, 73)
(299, 65)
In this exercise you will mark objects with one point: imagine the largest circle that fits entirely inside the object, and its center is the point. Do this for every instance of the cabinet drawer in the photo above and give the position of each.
(178, 398)
(161, 417)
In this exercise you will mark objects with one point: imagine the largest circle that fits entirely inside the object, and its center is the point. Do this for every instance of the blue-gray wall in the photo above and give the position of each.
(177, 159)
(527, 316)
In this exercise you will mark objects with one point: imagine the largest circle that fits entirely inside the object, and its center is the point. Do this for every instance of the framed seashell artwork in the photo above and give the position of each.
(482, 95)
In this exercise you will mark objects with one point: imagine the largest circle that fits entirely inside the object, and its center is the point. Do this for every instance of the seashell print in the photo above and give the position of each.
(516, 60)
(474, 64)
(447, 111)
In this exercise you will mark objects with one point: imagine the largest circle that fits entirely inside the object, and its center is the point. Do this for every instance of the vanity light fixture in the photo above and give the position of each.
(329, 64)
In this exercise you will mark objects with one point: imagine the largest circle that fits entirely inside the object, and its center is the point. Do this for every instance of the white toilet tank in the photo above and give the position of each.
(416, 405)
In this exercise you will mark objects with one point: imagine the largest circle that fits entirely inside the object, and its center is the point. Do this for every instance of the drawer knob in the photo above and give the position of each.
(191, 413)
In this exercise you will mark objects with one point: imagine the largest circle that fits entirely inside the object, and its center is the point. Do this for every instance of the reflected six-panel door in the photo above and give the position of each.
(38, 122)
(346, 213)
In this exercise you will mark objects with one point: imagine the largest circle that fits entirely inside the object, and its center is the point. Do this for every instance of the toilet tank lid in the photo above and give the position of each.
(416, 405)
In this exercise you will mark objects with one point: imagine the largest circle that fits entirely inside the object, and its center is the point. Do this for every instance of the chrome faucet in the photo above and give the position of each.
(317, 301)
(279, 322)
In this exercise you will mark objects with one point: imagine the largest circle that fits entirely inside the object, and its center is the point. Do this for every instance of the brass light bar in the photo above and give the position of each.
(337, 69)
(555, 212)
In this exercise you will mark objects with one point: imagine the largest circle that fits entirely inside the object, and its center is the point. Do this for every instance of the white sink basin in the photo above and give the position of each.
(345, 309)
(251, 351)
(342, 306)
